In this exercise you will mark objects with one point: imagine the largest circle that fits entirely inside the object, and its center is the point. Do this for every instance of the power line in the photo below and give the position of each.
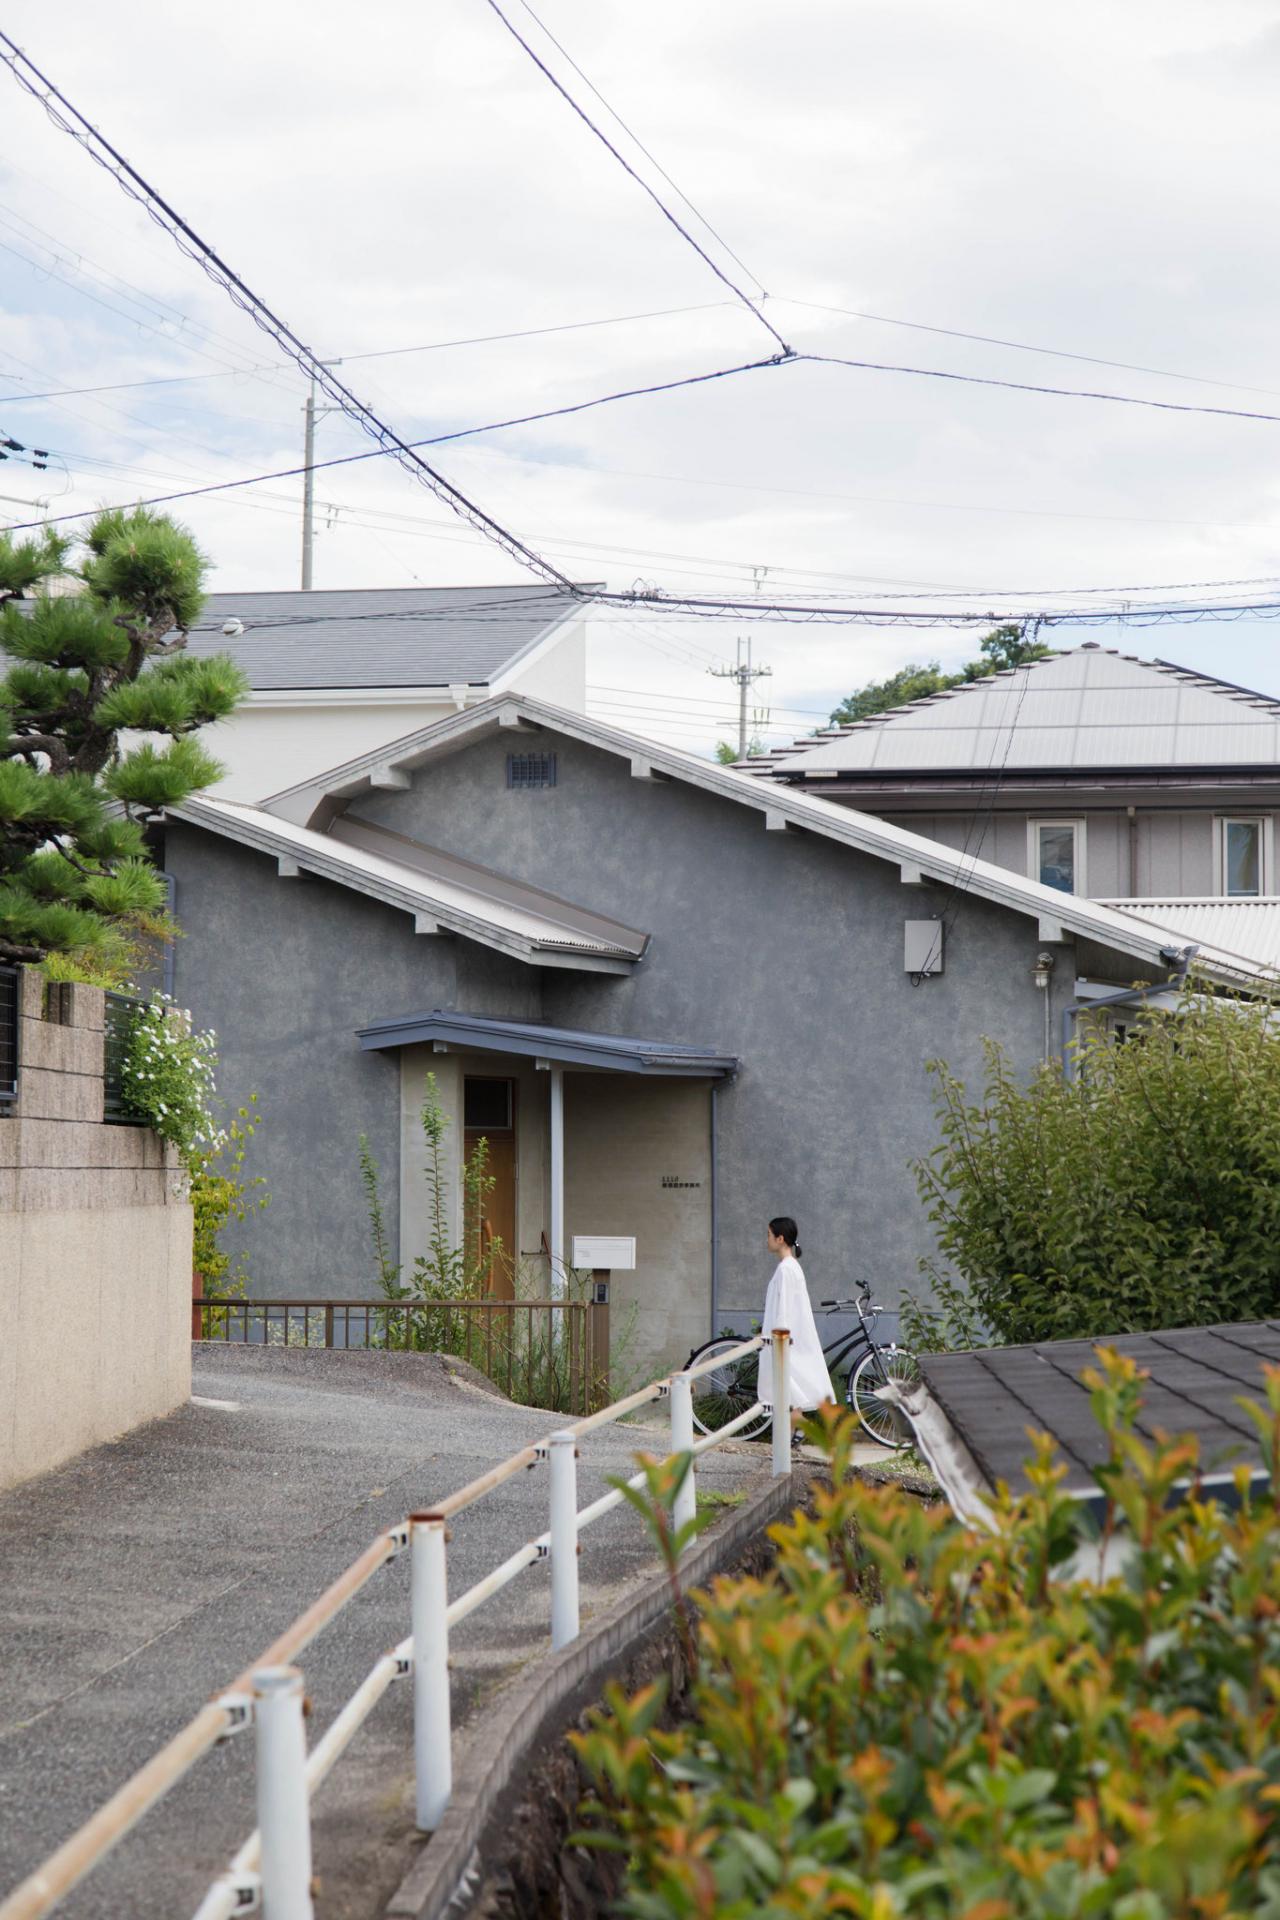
(1022, 346)
(891, 500)
(639, 179)
(531, 333)
(380, 353)
(1026, 386)
(441, 439)
(652, 158)
(125, 386)
(88, 267)
(71, 121)
(798, 614)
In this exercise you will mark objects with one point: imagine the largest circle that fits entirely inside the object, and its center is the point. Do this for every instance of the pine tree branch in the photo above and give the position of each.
(50, 744)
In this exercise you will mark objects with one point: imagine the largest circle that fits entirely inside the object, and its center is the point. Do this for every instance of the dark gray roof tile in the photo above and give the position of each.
(381, 636)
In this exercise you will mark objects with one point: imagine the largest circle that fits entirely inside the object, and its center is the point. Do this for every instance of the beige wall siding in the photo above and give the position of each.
(1175, 854)
(623, 1136)
(95, 1253)
(97, 1328)
(1174, 847)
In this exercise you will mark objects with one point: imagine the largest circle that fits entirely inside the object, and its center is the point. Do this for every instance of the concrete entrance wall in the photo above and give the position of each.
(95, 1252)
(638, 1161)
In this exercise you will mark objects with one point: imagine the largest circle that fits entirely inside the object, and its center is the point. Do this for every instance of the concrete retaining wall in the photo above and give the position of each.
(95, 1250)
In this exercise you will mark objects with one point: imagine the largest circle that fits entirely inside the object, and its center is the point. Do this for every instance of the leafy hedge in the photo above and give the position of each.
(1144, 1192)
(909, 1718)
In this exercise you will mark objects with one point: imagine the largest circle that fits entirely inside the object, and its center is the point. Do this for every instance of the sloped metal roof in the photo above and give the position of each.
(443, 894)
(531, 1040)
(381, 636)
(1085, 709)
(1250, 928)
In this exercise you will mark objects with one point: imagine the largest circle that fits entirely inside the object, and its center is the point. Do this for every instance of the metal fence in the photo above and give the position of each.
(10, 1000)
(548, 1353)
(118, 1017)
(272, 1870)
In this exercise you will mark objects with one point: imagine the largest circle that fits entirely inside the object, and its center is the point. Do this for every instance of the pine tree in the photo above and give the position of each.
(76, 879)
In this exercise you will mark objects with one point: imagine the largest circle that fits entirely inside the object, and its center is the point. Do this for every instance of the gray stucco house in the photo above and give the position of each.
(675, 999)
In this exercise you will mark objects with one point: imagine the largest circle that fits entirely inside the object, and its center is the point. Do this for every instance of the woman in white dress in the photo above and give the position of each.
(787, 1305)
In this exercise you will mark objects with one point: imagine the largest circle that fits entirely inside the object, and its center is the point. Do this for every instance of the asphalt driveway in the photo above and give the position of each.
(141, 1578)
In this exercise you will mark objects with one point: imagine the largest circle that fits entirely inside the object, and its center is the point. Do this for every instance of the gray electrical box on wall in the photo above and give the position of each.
(922, 948)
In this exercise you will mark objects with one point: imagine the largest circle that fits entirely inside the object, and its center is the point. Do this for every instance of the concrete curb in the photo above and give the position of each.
(532, 1709)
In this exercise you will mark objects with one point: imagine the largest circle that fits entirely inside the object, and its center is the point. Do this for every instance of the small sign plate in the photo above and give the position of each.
(604, 1250)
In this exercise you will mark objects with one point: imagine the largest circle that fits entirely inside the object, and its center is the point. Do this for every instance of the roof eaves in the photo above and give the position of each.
(354, 871)
(571, 1047)
(833, 821)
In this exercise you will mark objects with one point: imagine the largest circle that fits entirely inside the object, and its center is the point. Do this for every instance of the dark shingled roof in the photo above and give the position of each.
(991, 1397)
(381, 636)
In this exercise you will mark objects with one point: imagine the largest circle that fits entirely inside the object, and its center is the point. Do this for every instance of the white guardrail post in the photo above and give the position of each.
(563, 1450)
(686, 1501)
(781, 1401)
(284, 1808)
(432, 1728)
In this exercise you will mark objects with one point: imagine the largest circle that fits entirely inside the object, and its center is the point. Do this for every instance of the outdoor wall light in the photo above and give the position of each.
(1043, 970)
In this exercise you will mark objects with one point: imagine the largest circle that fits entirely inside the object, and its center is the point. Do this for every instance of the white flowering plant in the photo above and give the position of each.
(168, 1076)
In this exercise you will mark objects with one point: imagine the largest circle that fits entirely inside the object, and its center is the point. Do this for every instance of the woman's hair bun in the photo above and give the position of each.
(785, 1228)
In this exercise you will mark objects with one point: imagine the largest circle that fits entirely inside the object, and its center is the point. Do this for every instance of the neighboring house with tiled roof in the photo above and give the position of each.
(337, 673)
(1132, 781)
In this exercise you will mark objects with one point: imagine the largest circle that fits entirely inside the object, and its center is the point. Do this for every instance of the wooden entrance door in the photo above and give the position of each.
(489, 1113)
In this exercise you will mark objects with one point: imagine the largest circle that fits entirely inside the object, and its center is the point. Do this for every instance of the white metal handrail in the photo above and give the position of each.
(272, 1870)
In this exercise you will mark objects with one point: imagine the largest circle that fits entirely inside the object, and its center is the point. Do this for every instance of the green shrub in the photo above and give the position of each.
(220, 1194)
(1144, 1192)
(909, 1718)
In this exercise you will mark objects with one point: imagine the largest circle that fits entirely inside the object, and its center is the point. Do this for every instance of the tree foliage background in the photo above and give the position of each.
(1142, 1192)
(101, 653)
(1004, 647)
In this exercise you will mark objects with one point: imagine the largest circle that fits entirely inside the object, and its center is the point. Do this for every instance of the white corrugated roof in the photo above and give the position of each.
(918, 857)
(1250, 928)
(549, 938)
(1081, 710)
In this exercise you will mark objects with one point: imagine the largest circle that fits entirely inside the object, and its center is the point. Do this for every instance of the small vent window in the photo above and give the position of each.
(530, 770)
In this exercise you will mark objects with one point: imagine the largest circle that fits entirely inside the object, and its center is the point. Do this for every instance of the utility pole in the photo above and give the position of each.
(312, 412)
(308, 485)
(744, 673)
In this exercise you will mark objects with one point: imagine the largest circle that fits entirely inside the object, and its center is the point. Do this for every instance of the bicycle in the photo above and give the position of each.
(722, 1394)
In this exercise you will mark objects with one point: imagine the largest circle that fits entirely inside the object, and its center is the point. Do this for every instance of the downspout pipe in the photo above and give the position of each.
(1179, 960)
(715, 1210)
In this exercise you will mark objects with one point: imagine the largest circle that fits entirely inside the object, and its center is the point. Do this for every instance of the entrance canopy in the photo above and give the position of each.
(561, 1046)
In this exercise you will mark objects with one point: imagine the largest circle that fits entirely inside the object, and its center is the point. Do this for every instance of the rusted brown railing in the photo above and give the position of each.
(544, 1353)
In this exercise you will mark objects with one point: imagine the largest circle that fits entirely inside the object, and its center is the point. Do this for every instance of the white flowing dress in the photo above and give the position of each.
(787, 1305)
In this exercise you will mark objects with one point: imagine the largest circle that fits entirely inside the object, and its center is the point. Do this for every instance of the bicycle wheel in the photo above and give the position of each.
(726, 1391)
(877, 1369)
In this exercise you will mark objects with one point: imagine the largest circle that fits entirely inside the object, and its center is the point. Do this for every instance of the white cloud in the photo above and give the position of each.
(1097, 180)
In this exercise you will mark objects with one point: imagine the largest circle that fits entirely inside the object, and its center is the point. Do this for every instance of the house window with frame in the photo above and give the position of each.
(1242, 858)
(1056, 854)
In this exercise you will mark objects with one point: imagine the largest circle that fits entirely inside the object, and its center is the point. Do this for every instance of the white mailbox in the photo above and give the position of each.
(595, 1250)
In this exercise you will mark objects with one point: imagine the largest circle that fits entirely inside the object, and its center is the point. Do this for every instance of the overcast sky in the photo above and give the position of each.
(1097, 180)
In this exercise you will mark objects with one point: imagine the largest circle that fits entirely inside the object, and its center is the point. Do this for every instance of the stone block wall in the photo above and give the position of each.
(95, 1248)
